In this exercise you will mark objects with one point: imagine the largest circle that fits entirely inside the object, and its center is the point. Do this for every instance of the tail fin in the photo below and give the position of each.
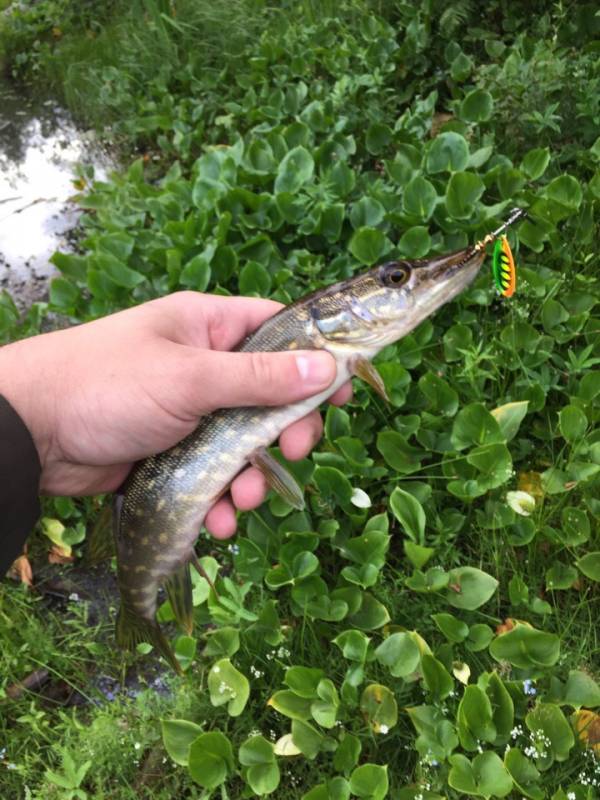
(179, 590)
(131, 629)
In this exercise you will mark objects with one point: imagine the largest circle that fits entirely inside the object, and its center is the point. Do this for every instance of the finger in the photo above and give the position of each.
(298, 439)
(249, 489)
(212, 379)
(215, 321)
(221, 521)
(343, 395)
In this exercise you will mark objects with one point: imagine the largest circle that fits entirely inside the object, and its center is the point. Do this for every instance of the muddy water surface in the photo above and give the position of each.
(40, 147)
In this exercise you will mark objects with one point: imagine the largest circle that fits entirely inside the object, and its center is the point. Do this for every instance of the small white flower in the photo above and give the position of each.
(137, 745)
(360, 499)
(74, 597)
(521, 502)
(216, 669)
(383, 729)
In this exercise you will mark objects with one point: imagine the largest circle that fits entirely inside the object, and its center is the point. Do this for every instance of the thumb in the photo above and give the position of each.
(227, 380)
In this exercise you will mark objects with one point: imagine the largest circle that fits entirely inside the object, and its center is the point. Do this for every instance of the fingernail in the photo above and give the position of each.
(316, 369)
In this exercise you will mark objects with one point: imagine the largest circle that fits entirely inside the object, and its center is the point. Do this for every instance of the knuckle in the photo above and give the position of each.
(263, 372)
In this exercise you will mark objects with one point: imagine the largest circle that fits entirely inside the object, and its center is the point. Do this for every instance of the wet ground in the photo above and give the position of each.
(40, 147)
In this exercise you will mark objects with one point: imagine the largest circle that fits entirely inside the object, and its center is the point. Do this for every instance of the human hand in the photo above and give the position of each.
(98, 397)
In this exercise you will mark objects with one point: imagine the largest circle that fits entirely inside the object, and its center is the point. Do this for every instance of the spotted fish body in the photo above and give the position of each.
(167, 496)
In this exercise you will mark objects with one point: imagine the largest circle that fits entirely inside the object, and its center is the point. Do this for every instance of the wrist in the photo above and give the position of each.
(23, 385)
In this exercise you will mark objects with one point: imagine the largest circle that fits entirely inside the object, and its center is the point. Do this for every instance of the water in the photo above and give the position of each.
(39, 149)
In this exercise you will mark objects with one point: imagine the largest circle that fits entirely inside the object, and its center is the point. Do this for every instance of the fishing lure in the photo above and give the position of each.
(503, 263)
(503, 268)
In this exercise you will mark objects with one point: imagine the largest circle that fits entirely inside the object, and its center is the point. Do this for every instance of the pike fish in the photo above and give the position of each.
(159, 512)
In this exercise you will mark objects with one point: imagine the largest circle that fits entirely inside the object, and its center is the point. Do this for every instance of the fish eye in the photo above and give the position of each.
(395, 275)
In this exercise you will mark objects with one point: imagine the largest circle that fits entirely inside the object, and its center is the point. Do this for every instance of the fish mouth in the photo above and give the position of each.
(440, 280)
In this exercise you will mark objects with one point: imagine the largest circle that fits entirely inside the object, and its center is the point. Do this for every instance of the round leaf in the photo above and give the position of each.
(367, 245)
(470, 588)
(210, 759)
(420, 198)
(464, 190)
(449, 152)
(477, 106)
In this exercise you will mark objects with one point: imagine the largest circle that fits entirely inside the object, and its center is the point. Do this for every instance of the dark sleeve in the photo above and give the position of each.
(19, 485)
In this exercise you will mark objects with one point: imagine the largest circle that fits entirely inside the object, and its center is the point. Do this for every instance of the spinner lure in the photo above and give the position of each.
(503, 267)
(503, 263)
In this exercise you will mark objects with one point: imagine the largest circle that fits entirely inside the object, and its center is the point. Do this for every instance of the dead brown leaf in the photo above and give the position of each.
(58, 555)
(21, 570)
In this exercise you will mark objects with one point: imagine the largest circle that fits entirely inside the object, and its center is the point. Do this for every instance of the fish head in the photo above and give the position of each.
(380, 306)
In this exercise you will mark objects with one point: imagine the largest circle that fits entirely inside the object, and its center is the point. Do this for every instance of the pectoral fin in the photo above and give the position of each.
(278, 477)
(179, 590)
(363, 369)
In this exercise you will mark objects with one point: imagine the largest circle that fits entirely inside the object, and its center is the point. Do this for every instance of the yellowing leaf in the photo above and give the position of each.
(284, 746)
(531, 482)
(587, 728)
(461, 671)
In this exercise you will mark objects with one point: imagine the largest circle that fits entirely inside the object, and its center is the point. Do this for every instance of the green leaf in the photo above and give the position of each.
(196, 273)
(303, 681)
(409, 513)
(572, 423)
(526, 647)
(417, 554)
(494, 463)
(294, 171)
(415, 243)
(367, 245)
(575, 529)
(347, 754)
(548, 721)
(178, 735)
(463, 191)
(420, 198)
(590, 565)
(63, 294)
(353, 644)
(210, 759)
(470, 588)
(262, 775)
(486, 776)
(509, 418)
(371, 615)
(366, 212)
(474, 425)
(379, 708)
(400, 654)
(117, 271)
(443, 399)
(401, 456)
(475, 718)
(378, 137)
(254, 279)
(478, 106)
(454, 629)
(227, 685)
(535, 162)
(290, 705)
(524, 774)
(333, 484)
(369, 781)
(436, 677)
(566, 191)
(449, 152)
(461, 67)
(306, 738)
(581, 690)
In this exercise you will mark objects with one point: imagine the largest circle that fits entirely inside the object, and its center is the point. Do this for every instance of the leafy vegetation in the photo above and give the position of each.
(427, 628)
